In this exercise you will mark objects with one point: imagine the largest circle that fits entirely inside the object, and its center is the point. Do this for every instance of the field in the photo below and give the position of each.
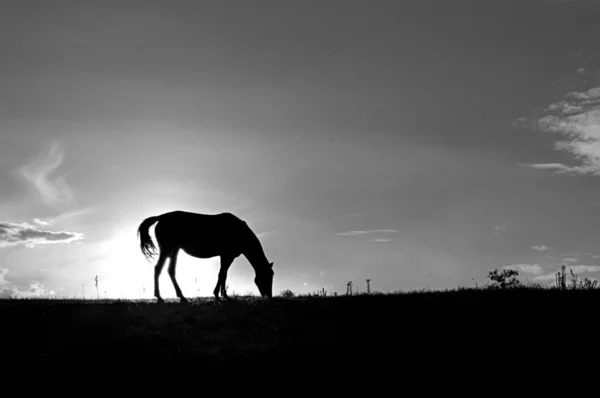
(463, 332)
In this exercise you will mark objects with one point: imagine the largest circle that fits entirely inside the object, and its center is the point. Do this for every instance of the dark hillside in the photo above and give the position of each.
(463, 332)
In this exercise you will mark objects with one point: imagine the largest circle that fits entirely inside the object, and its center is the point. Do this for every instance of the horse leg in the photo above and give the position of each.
(171, 270)
(225, 263)
(157, 270)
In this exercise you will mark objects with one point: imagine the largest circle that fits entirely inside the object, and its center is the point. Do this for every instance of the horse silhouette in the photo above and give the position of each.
(204, 236)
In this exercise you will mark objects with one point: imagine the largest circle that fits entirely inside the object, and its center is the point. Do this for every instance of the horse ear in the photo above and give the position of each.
(271, 264)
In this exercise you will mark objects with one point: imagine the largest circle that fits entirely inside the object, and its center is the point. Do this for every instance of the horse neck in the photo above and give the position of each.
(255, 253)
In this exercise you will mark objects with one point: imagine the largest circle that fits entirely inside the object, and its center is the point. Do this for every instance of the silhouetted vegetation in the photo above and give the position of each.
(505, 279)
(473, 332)
(561, 281)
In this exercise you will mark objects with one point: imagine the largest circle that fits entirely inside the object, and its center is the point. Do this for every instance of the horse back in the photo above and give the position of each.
(184, 227)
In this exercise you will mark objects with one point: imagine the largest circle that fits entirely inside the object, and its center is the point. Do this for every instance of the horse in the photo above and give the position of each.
(204, 236)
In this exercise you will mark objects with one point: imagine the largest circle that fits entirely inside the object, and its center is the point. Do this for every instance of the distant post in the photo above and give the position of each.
(349, 288)
(368, 286)
(97, 292)
(82, 292)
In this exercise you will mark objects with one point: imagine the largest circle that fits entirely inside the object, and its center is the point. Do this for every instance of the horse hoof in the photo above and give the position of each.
(183, 300)
(160, 300)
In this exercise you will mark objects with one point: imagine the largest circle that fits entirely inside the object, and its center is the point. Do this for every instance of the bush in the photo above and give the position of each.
(287, 293)
(505, 279)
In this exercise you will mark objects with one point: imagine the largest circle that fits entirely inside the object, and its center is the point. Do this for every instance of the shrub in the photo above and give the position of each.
(287, 293)
(505, 279)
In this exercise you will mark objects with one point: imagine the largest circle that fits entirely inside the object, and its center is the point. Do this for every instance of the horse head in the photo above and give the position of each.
(264, 280)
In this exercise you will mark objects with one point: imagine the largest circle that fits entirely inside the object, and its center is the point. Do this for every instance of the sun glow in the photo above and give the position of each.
(125, 272)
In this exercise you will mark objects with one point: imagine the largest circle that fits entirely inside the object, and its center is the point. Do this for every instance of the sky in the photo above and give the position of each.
(418, 144)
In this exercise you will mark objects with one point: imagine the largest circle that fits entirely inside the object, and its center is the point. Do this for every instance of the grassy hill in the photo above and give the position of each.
(474, 332)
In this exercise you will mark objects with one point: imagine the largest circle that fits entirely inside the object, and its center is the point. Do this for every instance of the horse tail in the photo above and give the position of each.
(146, 244)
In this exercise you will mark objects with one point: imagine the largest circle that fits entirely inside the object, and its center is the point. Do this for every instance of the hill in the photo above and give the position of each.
(474, 332)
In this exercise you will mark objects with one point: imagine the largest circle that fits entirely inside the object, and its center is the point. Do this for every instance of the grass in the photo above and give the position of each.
(466, 331)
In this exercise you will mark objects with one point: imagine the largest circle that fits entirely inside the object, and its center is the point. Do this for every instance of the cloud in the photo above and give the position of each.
(380, 240)
(264, 234)
(545, 277)
(69, 215)
(527, 268)
(540, 248)
(41, 222)
(36, 289)
(12, 234)
(578, 269)
(570, 260)
(3, 282)
(498, 229)
(558, 167)
(577, 119)
(351, 233)
(565, 107)
(52, 190)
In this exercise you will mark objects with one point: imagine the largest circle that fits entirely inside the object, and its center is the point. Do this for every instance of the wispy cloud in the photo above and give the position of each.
(577, 119)
(373, 231)
(70, 215)
(583, 53)
(381, 240)
(498, 229)
(41, 222)
(579, 269)
(545, 277)
(534, 269)
(540, 248)
(264, 234)
(52, 190)
(12, 234)
(570, 260)
(558, 167)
